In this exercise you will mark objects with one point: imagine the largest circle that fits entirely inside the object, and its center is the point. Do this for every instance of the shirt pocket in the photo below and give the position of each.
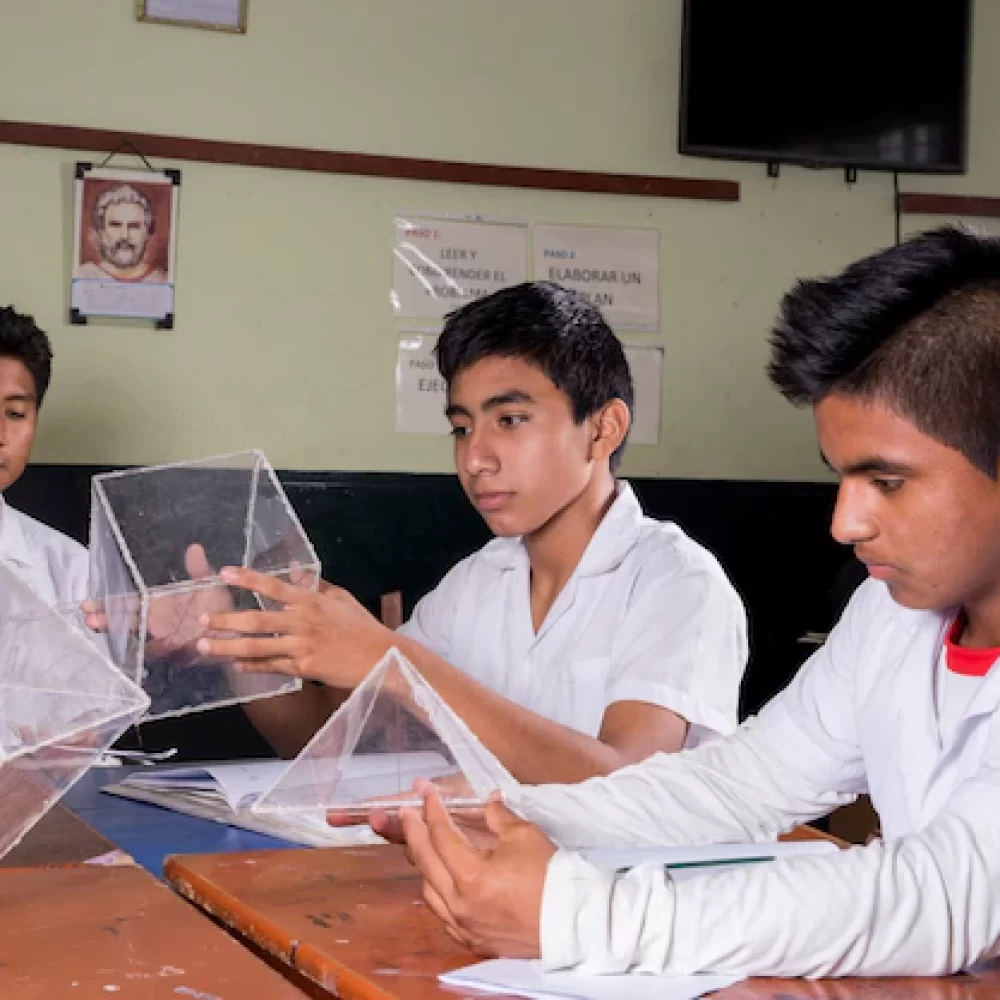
(585, 683)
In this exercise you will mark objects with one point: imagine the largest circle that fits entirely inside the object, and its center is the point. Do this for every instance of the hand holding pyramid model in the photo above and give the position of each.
(66, 694)
(392, 730)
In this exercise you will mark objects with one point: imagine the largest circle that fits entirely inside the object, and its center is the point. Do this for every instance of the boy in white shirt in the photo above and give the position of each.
(900, 359)
(585, 636)
(53, 565)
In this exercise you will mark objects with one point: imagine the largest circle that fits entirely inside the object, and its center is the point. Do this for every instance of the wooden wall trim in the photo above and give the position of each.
(170, 147)
(949, 204)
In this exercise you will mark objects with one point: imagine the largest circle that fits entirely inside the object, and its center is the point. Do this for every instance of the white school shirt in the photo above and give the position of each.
(648, 615)
(53, 565)
(859, 716)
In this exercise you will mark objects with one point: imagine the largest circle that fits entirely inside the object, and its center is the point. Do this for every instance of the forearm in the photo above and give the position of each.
(736, 789)
(922, 905)
(289, 721)
(532, 748)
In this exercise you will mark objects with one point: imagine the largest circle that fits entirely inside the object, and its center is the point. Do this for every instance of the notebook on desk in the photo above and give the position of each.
(225, 793)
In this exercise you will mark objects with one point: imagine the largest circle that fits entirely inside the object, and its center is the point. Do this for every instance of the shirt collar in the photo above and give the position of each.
(13, 545)
(611, 542)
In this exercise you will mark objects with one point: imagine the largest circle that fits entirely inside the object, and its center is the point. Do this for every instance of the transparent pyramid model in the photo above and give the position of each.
(158, 537)
(62, 704)
(393, 729)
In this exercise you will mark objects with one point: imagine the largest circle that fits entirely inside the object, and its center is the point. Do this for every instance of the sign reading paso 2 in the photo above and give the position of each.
(616, 269)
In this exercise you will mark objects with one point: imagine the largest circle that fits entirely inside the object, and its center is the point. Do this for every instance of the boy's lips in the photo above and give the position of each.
(492, 500)
(879, 570)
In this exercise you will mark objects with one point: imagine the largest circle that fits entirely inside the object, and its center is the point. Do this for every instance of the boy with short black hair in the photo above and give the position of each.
(53, 565)
(899, 358)
(585, 636)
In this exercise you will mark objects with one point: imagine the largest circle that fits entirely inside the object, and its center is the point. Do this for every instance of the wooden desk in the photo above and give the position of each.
(352, 920)
(87, 932)
(58, 838)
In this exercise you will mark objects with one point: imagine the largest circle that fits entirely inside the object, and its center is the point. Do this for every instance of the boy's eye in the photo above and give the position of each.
(888, 485)
(513, 419)
(459, 432)
(16, 415)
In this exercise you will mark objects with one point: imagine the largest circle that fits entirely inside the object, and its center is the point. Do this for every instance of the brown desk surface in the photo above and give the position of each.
(58, 838)
(87, 932)
(351, 919)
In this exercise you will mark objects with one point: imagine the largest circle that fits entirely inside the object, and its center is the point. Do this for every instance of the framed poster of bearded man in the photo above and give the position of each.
(124, 244)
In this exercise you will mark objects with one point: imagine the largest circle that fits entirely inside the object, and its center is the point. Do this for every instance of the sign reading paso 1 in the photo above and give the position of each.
(616, 269)
(440, 263)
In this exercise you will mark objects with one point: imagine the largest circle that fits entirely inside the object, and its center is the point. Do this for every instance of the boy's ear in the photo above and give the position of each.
(610, 425)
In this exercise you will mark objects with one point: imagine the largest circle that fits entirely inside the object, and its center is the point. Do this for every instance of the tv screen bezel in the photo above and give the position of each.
(686, 148)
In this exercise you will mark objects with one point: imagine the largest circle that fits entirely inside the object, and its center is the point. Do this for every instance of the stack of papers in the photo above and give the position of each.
(225, 793)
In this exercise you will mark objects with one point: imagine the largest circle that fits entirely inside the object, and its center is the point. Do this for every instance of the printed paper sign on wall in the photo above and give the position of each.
(420, 390)
(439, 264)
(646, 365)
(616, 269)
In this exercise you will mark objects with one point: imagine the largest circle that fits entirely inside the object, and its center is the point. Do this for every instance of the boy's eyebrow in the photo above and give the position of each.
(874, 464)
(491, 403)
(505, 398)
(20, 397)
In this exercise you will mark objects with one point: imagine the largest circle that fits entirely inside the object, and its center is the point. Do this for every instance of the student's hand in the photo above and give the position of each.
(490, 901)
(175, 621)
(384, 819)
(326, 635)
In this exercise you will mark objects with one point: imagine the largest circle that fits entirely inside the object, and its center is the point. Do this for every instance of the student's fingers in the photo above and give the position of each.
(249, 622)
(387, 825)
(499, 819)
(439, 908)
(449, 843)
(196, 563)
(268, 586)
(423, 854)
(275, 665)
(267, 648)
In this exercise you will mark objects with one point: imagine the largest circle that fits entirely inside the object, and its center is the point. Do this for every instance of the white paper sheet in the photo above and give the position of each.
(527, 979)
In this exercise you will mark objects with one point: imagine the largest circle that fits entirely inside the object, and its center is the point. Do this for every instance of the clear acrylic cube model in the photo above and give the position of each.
(158, 538)
(62, 704)
(393, 729)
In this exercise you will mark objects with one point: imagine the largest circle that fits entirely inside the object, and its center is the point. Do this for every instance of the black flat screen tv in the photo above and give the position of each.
(871, 84)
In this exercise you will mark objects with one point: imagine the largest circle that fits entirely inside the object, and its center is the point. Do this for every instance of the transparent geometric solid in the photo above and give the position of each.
(393, 729)
(158, 537)
(62, 704)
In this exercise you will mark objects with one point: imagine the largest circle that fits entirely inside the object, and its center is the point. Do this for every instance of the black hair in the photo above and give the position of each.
(23, 341)
(916, 326)
(551, 327)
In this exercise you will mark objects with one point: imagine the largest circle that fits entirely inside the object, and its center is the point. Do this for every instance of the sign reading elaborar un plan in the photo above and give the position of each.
(616, 269)
(438, 264)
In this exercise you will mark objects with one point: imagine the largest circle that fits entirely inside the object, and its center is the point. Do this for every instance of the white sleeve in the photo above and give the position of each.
(926, 904)
(798, 760)
(683, 645)
(433, 620)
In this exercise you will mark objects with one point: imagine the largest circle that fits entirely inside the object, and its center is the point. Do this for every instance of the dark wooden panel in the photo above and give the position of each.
(171, 147)
(948, 204)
